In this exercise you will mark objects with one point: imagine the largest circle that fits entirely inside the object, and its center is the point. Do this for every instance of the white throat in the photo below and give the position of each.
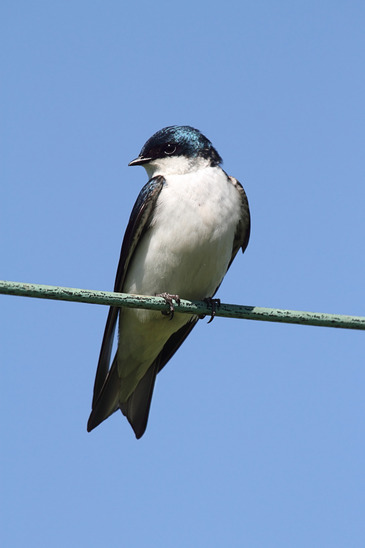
(175, 165)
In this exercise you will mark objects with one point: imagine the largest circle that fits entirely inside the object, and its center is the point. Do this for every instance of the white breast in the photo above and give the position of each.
(188, 247)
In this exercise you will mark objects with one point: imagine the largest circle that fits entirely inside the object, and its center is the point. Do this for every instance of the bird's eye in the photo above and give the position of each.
(169, 148)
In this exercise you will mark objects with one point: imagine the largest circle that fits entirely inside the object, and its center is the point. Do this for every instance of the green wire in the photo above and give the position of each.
(188, 307)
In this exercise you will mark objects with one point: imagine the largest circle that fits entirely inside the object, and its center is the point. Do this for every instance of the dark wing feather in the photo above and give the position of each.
(138, 223)
(243, 230)
(242, 235)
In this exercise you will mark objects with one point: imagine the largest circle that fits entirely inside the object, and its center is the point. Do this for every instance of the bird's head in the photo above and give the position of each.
(176, 150)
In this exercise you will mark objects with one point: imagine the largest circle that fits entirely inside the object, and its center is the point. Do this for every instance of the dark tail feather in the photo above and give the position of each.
(137, 407)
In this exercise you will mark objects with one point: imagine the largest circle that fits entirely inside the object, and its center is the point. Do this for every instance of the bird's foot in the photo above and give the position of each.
(214, 304)
(169, 298)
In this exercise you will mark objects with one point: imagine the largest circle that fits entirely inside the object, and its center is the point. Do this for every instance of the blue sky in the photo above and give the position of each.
(256, 432)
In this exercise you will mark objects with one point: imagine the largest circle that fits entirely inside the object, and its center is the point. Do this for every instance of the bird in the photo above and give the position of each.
(187, 225)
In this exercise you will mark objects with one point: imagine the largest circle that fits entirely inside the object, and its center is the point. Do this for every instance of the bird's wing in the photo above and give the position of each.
(138, 223)
(242, 235)
(243, 229)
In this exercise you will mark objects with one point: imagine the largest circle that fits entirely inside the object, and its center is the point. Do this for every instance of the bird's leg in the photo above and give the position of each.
(214, 304)
(169, 298)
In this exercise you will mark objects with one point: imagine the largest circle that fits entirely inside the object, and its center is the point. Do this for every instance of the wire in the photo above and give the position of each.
(187, 307)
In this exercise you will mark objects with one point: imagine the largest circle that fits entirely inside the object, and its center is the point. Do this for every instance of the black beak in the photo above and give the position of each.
(139, 161)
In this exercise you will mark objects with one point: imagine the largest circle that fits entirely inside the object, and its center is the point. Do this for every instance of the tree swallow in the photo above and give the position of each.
(185, 229)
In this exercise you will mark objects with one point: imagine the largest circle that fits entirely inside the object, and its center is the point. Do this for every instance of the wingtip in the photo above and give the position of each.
(92, 423)
(99, 414)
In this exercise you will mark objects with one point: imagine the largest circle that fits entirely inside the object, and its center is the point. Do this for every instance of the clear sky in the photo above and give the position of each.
(256, 435)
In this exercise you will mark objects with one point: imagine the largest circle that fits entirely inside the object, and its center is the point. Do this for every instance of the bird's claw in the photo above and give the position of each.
(214, 304)
(169, 298)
